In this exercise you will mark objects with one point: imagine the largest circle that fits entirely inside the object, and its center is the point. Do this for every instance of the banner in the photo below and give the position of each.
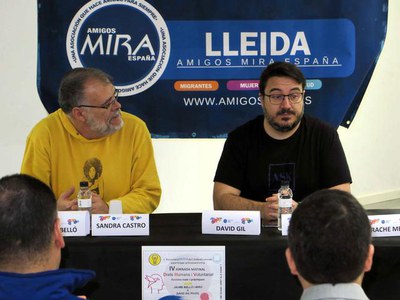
(190, 69)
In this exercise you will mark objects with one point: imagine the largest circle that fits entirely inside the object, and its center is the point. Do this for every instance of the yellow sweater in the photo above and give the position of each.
(119, 166)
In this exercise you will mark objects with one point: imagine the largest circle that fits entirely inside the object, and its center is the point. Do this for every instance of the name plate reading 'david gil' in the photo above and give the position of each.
(120, 224)
(74, 223)
(385, 225)
(231, 222)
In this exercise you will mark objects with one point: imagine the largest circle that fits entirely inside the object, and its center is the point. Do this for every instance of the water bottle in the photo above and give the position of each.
(285, 195)
(84, 197)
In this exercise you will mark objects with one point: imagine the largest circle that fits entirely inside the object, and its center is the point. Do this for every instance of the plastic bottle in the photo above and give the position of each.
(84, 197)
(285, 195)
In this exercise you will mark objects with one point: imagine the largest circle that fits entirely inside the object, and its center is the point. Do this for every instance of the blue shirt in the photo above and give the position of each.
(55, 284)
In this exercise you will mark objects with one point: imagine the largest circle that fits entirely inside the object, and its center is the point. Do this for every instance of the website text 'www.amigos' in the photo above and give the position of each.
(214, 101)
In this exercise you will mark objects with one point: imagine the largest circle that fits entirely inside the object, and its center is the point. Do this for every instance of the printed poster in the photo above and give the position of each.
(183, 272)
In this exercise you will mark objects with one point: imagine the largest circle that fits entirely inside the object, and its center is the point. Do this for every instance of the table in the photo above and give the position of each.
(255, 265)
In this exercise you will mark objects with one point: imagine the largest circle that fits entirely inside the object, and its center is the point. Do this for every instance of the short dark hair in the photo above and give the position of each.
(281, 69)
(329, 237)
(73, 83)
(28, 211)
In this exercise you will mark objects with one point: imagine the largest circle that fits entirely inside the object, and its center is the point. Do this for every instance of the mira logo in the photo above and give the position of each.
(128, 39)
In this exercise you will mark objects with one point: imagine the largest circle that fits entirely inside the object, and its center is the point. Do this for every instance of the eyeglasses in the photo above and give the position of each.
(108, 103)
(277, 99)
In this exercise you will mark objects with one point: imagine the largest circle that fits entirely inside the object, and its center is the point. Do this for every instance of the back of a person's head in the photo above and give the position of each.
(28, 211)
(329, 237)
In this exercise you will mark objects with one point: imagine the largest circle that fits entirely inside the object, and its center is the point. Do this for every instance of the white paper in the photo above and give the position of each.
(191, 272)
(285, 223)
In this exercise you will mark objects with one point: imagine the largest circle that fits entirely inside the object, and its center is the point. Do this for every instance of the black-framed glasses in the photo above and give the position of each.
(277, 99)
(106, 105)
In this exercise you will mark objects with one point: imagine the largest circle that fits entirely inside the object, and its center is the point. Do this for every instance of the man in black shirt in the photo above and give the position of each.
(282, 145)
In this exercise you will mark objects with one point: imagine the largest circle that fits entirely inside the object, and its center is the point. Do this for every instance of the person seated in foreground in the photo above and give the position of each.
(31, 242)
(329, 246)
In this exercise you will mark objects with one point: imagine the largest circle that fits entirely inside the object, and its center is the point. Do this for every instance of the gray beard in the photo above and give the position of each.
(104, 129)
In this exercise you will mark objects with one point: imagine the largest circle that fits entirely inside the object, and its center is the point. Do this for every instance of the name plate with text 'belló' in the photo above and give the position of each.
(241, 222)
(120, 224)
(74, 223)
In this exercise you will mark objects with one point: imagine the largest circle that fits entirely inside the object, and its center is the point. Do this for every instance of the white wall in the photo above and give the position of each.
(186, 167)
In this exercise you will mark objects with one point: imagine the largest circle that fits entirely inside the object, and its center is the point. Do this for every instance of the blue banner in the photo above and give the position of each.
(190, 69)
(242, 49)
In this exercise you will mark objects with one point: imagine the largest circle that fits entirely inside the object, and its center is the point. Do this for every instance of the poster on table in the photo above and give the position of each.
(183, 272)
(190, 69)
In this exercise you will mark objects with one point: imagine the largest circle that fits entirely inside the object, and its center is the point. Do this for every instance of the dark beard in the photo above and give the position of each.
(285, 128)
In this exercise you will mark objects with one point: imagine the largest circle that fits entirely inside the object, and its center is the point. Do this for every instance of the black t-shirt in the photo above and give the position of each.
(311, 159)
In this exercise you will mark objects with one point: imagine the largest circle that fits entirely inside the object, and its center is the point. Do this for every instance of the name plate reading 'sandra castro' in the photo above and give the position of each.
(231, 222)
(74, 223)
(120, 224)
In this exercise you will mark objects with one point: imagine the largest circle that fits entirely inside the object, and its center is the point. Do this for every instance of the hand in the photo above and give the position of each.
(64, 203)
(270, 209)
(98, 205)
(294, 205)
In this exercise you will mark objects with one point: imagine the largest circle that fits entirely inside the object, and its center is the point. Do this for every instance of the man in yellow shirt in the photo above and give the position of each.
(90, 139)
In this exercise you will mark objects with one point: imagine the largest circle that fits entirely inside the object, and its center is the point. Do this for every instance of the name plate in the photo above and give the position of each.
(385, 225)
(120, 224)
(74, 223)
(231, 222)
(285, 218)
